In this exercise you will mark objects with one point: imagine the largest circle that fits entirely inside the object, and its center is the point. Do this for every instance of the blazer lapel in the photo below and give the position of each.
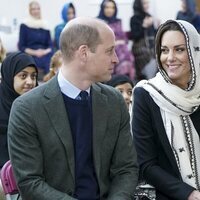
(99, 110)
(55, 108)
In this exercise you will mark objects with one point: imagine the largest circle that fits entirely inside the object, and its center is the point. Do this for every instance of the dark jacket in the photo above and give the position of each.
(155, 156)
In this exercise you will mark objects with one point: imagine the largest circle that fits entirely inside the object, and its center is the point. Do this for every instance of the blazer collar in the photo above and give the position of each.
(100, 115)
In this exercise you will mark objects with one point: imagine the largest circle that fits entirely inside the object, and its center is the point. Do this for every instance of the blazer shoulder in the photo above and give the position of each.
(108, 90)
(36, 94)
(143, 98)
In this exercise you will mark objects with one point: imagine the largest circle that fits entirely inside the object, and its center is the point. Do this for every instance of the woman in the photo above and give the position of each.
(19, 75)
(35, 39)
(142, 33)
(68, 13)
(108, 13)
(188, 13)
(166, 115)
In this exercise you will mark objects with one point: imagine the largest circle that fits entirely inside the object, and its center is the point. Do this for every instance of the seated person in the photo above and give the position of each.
(35, 39)
(68, 13)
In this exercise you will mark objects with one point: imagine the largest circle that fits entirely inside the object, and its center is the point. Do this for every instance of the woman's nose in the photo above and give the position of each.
(29, 80)
(171, 56)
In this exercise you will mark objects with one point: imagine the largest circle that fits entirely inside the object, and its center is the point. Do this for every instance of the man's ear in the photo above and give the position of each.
(83, 51)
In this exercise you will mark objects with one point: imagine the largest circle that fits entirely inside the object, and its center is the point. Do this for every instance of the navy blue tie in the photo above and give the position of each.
(84, 95)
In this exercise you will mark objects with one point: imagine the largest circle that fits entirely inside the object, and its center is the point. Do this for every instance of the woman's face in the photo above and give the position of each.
(25, 80)
(174, 58)
(35, 10)
(70, 13)
(145, 5)
(183, 5)
(109, 9)
(126, 90)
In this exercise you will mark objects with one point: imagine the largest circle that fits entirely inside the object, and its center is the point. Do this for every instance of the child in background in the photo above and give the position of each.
(124, 85)
(56, 62)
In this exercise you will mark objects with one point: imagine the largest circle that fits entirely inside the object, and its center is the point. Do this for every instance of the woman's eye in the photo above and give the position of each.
(163, 50)
(180, 49)
(23, 76)
(33, 76)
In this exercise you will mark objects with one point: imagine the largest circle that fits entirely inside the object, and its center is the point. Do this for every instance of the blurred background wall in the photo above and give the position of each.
(13, 12)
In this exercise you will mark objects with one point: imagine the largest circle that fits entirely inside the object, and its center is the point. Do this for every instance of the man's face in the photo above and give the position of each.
(101, 63)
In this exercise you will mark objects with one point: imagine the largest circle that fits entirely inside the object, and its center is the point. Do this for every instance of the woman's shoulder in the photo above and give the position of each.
(140, 91)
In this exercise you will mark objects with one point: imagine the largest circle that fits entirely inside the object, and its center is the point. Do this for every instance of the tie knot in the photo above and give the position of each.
(84, 95)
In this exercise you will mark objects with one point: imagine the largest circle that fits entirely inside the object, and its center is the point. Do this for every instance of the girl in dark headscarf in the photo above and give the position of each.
(68, 13)
(142, 33)
(108, 13)
(19, 75)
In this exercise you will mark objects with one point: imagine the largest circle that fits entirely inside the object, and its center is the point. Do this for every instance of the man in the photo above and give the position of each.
(69, 146)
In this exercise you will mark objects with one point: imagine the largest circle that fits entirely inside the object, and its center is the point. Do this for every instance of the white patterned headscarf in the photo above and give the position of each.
(177, 104)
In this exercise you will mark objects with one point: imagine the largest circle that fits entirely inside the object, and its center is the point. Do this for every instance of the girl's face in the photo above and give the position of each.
(174, 58)
(35, 10)
(25, 80)
(109, 9)
(183, 6)
(145, 5)
(70, 13)
(126, 90)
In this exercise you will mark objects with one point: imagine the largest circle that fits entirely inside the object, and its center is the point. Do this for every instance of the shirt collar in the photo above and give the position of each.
(68, 88)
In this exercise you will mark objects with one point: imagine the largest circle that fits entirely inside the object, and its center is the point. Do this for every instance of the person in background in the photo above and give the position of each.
(188, 13)
(55, 64)
(142, 33)
(74, 130)
(2, 54)
(2, 51)
(124, 85)
(35, 38)
(166, 115)
(108, 13)
(19, 75)
(68, 13)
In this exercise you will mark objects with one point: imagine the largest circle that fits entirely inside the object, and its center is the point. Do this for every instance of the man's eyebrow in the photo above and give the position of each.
(110, 48)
